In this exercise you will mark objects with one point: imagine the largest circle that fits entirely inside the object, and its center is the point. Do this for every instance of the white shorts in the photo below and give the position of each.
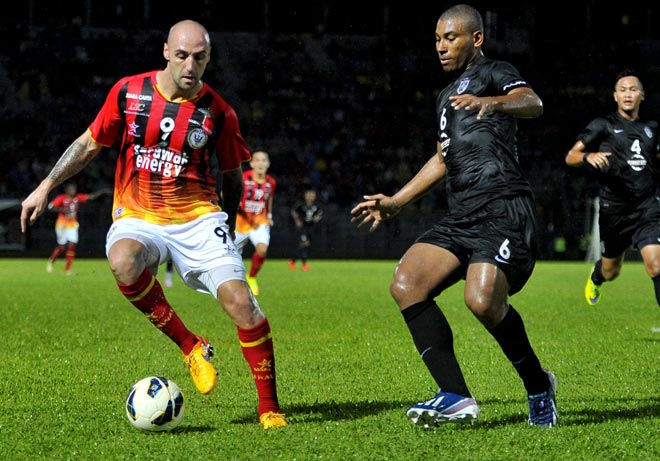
(261, 234)
(202, 250)
(66, 234)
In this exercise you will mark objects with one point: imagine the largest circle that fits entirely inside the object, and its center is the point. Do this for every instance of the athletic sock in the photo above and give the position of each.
(597, 274)
(257, 348)
(656, 286)
(257, 262)
(510, 334)
(56, 252)
(70, 256)
(147, 295)
(434, 340)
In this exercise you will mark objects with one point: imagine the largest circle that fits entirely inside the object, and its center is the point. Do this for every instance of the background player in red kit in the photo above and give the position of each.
(170, 125)
(66, 206)
(255, 214)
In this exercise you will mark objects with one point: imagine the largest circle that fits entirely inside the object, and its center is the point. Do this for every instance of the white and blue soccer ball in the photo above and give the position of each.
(155, 403)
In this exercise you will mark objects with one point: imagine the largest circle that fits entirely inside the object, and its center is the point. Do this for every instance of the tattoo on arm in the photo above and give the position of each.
(74, 159)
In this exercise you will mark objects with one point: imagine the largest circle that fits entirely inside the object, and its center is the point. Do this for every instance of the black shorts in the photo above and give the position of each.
(621, 229)
(503, 233)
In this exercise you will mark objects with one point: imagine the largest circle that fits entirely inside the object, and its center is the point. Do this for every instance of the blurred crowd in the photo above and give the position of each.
(344, 114)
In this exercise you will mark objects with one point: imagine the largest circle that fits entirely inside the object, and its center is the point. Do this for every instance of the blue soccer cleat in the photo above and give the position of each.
(445, 407)
(542, 407)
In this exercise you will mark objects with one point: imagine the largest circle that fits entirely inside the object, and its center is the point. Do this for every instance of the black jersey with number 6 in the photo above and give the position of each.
(480, 154)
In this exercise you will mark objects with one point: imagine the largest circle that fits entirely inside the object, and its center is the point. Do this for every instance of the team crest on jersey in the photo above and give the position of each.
(648, 132)
(197, 138)
(462, 86)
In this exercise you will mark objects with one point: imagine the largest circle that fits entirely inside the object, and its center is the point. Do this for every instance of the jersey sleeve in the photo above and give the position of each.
(56, 202)
(593, 133)
(506, 77)
(231, 148)
(109, 121)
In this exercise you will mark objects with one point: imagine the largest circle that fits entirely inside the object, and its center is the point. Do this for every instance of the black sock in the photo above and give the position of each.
(656, 286)
(510, 334)
(434, 340)
(597, 274)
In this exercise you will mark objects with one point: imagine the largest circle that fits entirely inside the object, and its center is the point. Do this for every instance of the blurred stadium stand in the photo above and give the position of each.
(342, 98)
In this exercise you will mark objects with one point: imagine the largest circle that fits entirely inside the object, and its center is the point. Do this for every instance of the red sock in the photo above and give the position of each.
(70, 256)
(147, 295)
(257, 262)
(257, 348)
(56, 252)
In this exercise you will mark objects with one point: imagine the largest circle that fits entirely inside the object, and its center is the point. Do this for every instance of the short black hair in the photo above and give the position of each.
(627, 72)
(466, 13)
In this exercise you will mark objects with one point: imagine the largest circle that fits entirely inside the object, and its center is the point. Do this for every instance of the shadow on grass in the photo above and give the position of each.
(595, 411)
(197, 429)
(629, 409)
(334, 411)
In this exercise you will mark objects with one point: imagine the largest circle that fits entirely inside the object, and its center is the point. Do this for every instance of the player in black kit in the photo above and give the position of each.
(487, 237)
(306, 215)
(623, 149)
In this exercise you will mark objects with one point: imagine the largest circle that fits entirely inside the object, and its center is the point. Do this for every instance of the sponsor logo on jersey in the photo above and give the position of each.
(445, 146)
(132, 129)
(159, 160)
(140, 97)
(637, 162)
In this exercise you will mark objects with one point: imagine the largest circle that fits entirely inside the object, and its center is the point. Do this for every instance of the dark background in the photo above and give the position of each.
(341, 93)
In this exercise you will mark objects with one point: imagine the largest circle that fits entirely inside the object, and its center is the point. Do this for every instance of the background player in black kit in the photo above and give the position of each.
(624, 150)
(306, 214)
(488, 237)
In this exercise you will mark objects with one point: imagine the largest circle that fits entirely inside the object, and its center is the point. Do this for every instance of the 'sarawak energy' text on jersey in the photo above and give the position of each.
(253, 210)
(165, 165)
(481, 155)
(631, 174)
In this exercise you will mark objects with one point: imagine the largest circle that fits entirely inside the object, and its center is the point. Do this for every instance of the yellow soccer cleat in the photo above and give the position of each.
(254, 286)
(272, 420)
(204, 374)
(592, 292)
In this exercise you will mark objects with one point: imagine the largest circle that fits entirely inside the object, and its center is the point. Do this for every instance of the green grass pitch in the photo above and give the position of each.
(347, 369)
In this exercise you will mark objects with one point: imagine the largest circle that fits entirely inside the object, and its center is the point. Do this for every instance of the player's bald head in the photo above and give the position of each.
(469, 17)
(188, 30)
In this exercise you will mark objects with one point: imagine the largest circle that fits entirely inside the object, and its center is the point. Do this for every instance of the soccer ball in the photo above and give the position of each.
(155, 403)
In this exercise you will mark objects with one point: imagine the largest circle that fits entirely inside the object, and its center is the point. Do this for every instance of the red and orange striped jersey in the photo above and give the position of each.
(253, 210)
(167, 150)
(67, 219)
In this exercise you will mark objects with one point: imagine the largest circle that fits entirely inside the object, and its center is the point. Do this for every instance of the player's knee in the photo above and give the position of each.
(653, 268)
(480, 303)
(404, 291)
(124, 266)
(241, 306)
(485, 310)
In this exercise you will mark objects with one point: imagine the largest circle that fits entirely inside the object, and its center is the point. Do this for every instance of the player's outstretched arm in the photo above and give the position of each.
(98, 193)
(578, 156)
(375, 209)
(74, 159)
